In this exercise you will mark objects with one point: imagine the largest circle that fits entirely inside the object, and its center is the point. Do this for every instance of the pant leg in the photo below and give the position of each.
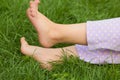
(104, 34)
(102, 56)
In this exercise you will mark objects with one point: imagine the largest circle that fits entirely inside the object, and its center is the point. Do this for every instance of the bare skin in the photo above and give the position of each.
(51, 33)
(46, 55)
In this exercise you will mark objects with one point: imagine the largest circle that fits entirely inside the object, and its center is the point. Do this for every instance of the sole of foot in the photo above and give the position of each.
(42, 55)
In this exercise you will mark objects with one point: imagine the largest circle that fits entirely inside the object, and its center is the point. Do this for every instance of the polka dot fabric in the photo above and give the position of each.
(101, 56)
(103, 39)
(104, 34)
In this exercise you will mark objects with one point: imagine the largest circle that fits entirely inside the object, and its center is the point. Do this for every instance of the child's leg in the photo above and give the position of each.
(97, 35)
(51, 33)
(45, 55)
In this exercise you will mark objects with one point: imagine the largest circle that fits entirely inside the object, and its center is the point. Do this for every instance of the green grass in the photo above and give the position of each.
(14, 24)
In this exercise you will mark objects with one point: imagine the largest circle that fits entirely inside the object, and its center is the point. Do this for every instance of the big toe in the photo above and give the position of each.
(34, 4)
(37, 1)
(23, 42)
(26, 48)
(24, 45)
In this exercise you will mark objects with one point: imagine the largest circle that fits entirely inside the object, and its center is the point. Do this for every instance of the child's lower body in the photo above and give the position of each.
(50, 33)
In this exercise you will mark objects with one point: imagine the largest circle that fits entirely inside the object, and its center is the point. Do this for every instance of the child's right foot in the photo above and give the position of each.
(50, 33)
(47, 31)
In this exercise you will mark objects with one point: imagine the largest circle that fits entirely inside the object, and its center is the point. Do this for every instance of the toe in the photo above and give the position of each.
(27, 49)
(33, 12)
(24, 46)
(23, 42)
(31, 2)
(34, 4)
(37, 1)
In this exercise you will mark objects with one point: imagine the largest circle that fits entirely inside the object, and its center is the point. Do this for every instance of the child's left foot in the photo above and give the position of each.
(42, 55)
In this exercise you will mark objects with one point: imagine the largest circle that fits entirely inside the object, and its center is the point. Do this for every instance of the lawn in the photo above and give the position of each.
(14, 24)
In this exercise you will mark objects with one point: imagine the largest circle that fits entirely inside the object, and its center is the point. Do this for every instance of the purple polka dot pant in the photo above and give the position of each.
(103, 38)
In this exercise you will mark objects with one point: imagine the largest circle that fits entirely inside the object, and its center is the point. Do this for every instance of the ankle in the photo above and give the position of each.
(55, 33)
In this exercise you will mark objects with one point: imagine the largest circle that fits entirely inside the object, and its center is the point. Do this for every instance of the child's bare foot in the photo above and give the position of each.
(42, 55)
(46, 29)
(51, 33)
